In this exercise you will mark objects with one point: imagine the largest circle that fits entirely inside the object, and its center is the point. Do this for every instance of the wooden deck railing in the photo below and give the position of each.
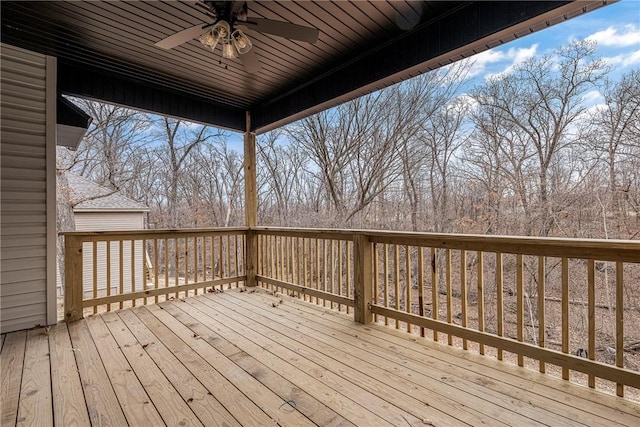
(315, 265)
(568, 303)
(137, 267)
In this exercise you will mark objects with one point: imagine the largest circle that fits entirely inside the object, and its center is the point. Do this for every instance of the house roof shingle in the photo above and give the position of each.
(95, 197)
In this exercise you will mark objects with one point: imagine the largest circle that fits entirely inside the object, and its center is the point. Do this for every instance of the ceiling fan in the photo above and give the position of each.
(229, 17)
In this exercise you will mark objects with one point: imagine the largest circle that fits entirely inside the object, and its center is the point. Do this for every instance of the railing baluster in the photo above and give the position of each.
(463, 292)
(541, 305)
(145, 270)
(298, 266)
(565, 313)
(238, 247)
(156, 268)
(619, 323)
(306, 245)
(121, 269)
(94, 264)
(407, 254)
(500, 298)
(591, 307)
(317, 268)
(186, 265)
(228, 259)
(176, 247)
(421, 285)
(195, 263)
(332, 264)
(481, 296)
(108, 272)
(166, 267)
(520, 303)
(449, 301)
(325, 279)
(340, 272)
(274, 261)
(221, 271)
(133, 269)
(214, 274)
(386, 280)
(348, 255)
(287, 260)
(396, 260)
(435, 306)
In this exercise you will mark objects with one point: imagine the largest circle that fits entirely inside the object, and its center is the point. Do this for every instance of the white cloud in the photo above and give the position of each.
(628, 35)
(482, 60)
(516, 56)
(592, 98)
(624, 60)
(493, 58)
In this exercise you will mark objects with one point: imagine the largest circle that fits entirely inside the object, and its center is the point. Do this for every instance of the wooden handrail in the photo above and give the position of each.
(600, 249)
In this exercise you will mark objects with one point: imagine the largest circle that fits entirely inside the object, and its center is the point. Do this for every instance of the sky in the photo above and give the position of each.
(615, 28)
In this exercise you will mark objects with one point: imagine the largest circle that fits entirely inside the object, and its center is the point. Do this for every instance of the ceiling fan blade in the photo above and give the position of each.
(181, 37)
(282, 29)
(251, 62)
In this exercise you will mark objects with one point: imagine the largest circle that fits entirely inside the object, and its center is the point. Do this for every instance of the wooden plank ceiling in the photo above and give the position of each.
(106, 51)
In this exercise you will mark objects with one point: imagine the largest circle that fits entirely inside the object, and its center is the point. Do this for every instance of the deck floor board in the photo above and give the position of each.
(36, 407)
(476, 376)
(69, 406)
(338, 369)
(11, 365)
(252, 358)
(577, 403)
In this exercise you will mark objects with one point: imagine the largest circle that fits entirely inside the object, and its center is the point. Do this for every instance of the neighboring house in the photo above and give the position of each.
(100, 208)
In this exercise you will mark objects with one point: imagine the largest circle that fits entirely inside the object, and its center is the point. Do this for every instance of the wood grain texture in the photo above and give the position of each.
(256, 392)
(202, 402)
(362, 274)
(99, 393)
(163, 396)
(132, 396)
(243, 410)
(36, 407)
(11, 365)
(69, 407)
(553, 394)
(234, 358)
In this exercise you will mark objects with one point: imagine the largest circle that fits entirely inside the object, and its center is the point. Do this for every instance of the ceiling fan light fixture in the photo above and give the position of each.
(228, 50)
(208, 40)
(241, 42)
(219, 32)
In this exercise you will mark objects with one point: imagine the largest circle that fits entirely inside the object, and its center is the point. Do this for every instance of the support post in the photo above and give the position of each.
(250, 203)
(73, 309)
(362, 292)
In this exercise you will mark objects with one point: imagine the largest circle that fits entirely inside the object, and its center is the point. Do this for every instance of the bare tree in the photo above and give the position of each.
(542, 99)
(178, 139)
(613, 134)
(108, 152)
(442, 135)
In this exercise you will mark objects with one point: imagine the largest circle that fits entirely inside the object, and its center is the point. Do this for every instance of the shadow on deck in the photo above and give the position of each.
(251, 358)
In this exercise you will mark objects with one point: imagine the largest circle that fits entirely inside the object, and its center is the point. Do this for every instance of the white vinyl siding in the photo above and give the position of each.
(108, 221)
(25, 129)
(105, 221)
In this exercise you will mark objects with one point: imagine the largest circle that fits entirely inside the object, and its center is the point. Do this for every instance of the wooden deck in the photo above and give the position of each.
(246, 358)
